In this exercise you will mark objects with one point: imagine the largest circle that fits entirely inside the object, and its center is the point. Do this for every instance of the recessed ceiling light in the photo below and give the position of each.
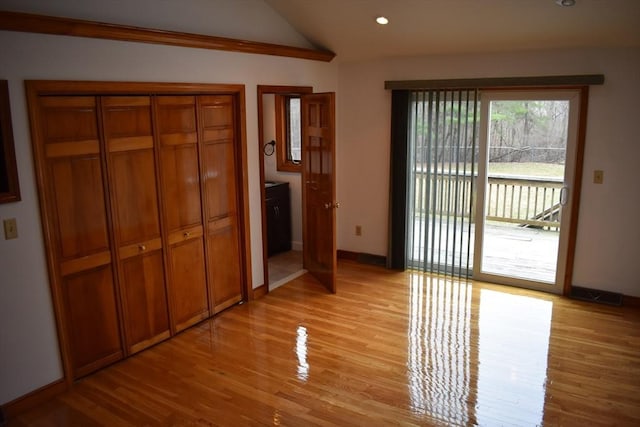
(566, 3)
(382, 20)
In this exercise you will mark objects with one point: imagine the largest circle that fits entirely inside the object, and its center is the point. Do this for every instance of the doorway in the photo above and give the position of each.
(525, 180)
(281, 187)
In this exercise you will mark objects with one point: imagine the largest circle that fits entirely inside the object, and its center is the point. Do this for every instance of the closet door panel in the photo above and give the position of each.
(133, 181)
(189, 288)
(176, 123)
(75, 199)
(225, 272)
(221, 200)
(146, 307)
(92, 319)
(132, 175)
(181, 186)
(78, 199)
(220, 183)
(218, 128)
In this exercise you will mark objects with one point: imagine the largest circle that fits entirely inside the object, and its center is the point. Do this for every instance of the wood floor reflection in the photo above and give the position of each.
(388, 349)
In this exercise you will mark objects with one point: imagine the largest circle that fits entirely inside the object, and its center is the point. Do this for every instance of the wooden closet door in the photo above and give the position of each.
(134, 201)
(182, 208)
(221, 200)
(76, 217)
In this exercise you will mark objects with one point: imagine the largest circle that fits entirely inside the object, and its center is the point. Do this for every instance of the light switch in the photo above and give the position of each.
(10, 229)
(598, 177)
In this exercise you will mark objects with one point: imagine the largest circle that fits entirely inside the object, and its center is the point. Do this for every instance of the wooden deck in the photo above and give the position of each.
(388, 349)
(526, 253)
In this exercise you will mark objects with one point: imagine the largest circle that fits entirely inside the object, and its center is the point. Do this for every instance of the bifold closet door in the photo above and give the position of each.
(129, 142)
(76, 219)
(176, 123)
(217, 118)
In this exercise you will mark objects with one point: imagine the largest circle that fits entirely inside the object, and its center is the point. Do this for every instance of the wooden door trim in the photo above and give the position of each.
(577, 189)
(92, 88)
(35, 89)
(243, 208)
(39, 158)
(43, 24)
(263, 289)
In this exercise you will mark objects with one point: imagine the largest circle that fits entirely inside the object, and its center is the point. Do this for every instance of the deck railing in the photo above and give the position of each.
(526, 201)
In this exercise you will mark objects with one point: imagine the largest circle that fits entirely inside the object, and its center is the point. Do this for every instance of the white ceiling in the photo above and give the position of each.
(424, 27)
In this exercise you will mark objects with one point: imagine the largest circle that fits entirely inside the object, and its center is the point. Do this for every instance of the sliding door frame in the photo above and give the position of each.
(397, 199)
(570, 181)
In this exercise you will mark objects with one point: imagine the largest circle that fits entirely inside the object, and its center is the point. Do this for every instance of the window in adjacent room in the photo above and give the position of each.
(288, 133)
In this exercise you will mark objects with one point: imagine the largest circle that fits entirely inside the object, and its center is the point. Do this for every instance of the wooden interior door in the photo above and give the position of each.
(218, 146)
(73, 192)
(319, 188)
(182, 209)
(129, 143)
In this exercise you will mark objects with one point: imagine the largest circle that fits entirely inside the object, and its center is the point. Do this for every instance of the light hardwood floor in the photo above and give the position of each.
(388, 349)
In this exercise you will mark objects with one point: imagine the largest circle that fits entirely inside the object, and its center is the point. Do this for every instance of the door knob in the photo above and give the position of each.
(327, 205)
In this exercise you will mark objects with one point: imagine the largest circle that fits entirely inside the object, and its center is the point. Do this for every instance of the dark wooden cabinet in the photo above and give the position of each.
(278, 218)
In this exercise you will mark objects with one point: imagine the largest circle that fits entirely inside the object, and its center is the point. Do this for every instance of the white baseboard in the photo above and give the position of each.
(296, 246)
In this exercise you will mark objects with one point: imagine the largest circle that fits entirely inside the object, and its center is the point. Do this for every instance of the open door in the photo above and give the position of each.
(319, 188)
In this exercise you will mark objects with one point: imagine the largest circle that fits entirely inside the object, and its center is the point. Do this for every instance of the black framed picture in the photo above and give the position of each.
(9, 187)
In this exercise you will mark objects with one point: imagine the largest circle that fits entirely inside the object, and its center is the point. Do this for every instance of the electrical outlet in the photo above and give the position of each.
(598, 177)
(10, 229)
(358, 230)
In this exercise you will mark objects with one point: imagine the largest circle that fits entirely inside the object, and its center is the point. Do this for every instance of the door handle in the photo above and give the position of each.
(329, 205)
(564, 194)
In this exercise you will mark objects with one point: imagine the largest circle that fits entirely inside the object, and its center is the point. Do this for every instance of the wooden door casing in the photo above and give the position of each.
(219, 153)
(82, 257)
(182, 209)
(318, 178)
(129, 142)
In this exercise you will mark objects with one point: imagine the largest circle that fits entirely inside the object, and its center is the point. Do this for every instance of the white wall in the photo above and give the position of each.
(608, 235)
(28, 345)
(271, 172)
(252, 20)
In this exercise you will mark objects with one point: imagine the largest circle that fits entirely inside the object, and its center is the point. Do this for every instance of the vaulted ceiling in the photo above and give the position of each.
(424, 27)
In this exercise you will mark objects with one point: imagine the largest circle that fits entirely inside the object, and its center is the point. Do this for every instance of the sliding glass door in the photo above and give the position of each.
(525, 180)
(441, 166)
(489, 178)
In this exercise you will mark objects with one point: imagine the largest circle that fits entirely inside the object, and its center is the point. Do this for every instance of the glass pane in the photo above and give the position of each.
(527, 144)
(442, 153)
(293, 132)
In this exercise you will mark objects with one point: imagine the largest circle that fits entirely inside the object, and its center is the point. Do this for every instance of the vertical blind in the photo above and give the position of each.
(441, 166)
